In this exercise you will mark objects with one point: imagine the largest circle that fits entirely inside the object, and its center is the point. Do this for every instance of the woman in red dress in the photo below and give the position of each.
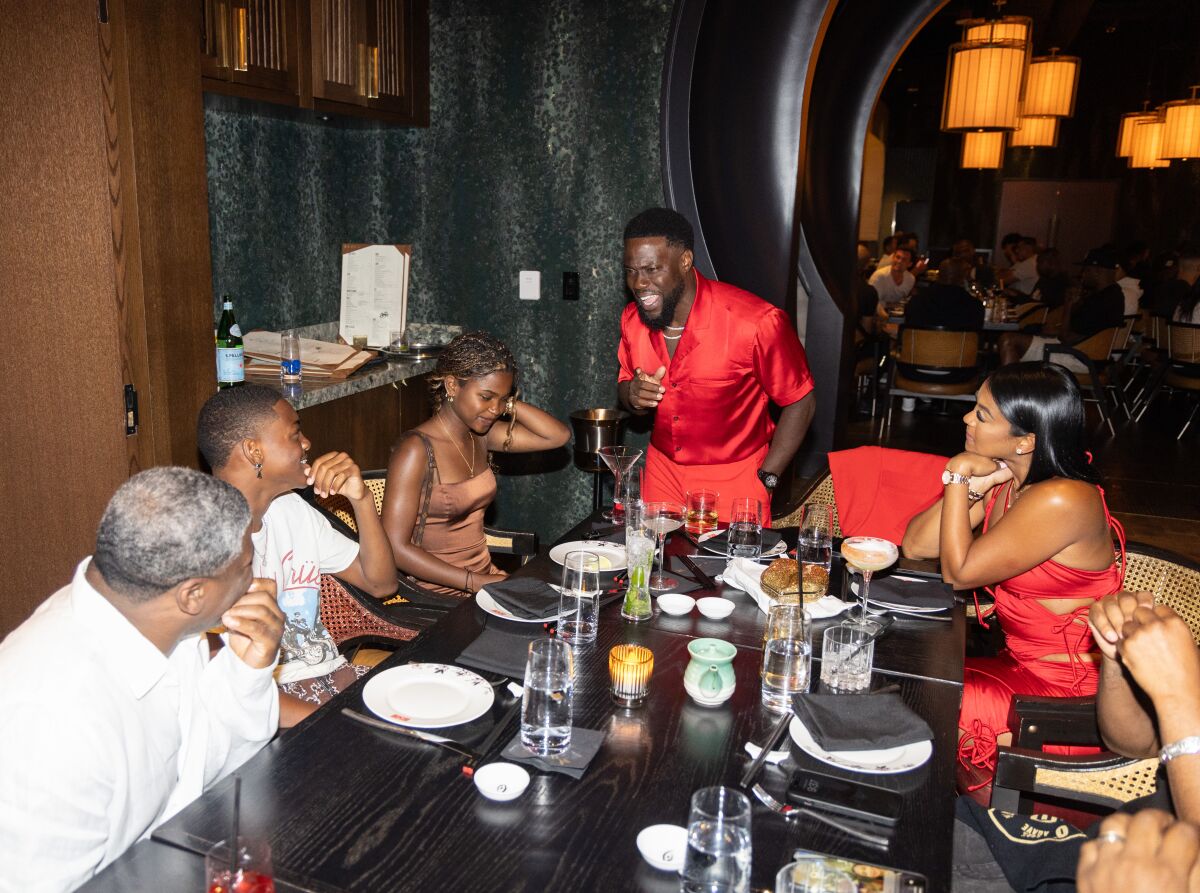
(1045, 552)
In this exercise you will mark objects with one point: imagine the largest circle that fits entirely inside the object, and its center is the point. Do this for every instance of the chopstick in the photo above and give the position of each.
(468, 768)
(701, 577)
(768, 746)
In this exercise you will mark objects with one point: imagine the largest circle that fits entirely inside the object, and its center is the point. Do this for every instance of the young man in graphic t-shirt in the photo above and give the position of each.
(251, 438)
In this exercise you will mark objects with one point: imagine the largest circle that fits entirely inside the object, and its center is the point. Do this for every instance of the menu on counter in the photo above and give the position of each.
(318, 359)
(374, 292)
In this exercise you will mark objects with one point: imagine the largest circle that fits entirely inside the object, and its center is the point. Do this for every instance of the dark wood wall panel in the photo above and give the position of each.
(61, 415)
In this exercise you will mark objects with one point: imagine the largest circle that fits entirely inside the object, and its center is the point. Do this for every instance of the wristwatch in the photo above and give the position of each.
(953, 477)
(769, 480)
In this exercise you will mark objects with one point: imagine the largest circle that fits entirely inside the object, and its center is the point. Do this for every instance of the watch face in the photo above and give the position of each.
(769, 480)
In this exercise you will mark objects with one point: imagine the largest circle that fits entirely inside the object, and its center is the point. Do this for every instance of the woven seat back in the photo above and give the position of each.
(1174, 585)
(1097, 347)
(346, 619)
(1183, 342)
(930, 348)
(376, 482)
(1121, 785)
(822, 491)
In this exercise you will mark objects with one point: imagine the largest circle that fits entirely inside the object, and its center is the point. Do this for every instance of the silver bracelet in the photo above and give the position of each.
(1182, 747)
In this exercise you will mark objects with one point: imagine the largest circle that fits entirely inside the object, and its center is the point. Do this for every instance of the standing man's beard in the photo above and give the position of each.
(667, 315)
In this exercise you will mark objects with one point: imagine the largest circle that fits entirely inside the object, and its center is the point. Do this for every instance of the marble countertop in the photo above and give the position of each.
(313, 392)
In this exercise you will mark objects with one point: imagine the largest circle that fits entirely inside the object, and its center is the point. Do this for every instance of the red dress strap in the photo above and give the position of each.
(987, 517)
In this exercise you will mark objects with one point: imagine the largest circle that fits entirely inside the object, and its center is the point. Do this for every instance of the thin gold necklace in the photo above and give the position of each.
(470, 465)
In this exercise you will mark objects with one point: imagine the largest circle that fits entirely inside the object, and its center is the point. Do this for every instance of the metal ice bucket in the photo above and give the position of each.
(595, 428)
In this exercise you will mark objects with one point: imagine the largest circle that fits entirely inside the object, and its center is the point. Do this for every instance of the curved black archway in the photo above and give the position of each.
(765, 111)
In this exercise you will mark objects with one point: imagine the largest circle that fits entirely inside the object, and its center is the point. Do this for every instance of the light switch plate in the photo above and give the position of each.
(531, 285)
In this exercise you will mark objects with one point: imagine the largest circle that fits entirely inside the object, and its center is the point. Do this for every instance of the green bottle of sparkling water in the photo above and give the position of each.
(231, 368)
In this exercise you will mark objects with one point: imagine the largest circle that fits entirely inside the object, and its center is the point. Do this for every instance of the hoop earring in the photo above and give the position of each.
(258, 470)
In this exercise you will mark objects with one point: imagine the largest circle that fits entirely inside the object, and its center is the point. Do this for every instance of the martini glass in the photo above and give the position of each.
(867, 554)
(661, 519)
(619, 460)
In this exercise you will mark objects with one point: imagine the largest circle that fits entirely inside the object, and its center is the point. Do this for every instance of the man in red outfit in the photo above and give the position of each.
(706, 358)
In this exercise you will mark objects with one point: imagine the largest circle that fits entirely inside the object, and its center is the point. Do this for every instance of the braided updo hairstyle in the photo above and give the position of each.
(470, 355)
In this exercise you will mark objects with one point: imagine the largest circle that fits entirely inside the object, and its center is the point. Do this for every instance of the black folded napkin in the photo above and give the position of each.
(525, 597)
(911, 593)
(720, 542)
(585, 743)
(859, 722)
(503, 651)
(604, 532)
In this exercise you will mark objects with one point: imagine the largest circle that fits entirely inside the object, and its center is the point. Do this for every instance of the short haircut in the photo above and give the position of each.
(888, 240)
(230, 416)
(167, 525)
(1010, 239)
(664, 222)
(1028, 240)
(954, 271)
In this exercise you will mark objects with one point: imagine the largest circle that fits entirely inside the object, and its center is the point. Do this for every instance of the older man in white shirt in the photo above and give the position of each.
(112, 715)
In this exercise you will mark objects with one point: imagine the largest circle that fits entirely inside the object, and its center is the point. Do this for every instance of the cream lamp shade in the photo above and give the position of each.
(983, 85)
(1035, 132)
(1125, 134)
(1147, 144)
(1181, 128)
(1006, 28)
(982, 149)
(1050, 88)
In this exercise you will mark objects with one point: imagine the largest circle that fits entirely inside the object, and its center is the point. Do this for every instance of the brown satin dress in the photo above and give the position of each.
(454, 526)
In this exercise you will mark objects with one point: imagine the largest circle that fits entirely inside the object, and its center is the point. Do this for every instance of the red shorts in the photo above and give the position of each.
(667, 480)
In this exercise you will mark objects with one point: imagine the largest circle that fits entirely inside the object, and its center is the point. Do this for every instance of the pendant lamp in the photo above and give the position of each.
(985, 74)
(982, 150)
(1050, 88)
(1147, 144)
(1125, 133)
(1035, 132)
(1181, 128)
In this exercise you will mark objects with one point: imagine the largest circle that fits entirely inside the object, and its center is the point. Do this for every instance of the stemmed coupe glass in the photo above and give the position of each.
(619, 460)
(661, 519)
(867, 554)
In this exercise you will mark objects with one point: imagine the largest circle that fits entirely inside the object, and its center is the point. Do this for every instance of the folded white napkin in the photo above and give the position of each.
(746, 575)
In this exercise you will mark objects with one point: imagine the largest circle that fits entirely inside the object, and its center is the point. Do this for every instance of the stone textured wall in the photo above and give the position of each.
(544, 139)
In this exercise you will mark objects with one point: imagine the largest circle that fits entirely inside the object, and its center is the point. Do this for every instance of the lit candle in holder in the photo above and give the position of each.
(629, 668)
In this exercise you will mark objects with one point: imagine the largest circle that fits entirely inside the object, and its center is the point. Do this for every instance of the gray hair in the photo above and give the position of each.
(166, 525)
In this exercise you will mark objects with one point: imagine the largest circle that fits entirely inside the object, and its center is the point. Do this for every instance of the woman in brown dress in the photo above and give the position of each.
(439, 481)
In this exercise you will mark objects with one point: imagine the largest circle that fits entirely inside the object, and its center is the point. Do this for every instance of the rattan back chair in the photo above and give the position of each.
(821, 490)
(1031, 316)
(1106, 780)
(1180, 372)
(934, 350)
(1094, 353)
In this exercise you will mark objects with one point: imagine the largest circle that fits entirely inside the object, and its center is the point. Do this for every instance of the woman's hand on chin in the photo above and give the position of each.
(975, 465)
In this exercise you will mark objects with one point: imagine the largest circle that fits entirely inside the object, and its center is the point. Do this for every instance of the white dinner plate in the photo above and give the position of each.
(872, 762)
(484, 599)
(612, 558)
(428, 696)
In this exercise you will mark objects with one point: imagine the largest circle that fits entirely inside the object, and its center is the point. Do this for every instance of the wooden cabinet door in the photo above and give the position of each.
(398, 35)
(248, 46)
(339, 51)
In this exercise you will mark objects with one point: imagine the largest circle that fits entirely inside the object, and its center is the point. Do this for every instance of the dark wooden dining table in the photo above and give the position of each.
(348, 807)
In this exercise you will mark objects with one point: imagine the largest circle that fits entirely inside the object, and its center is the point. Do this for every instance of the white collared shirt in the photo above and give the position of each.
(103, 737)
(887, 289)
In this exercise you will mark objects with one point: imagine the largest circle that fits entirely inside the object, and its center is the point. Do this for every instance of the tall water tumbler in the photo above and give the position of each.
(718, 849)
(546, 706)
(814, 550)
(639, 558)
(579, 601)
(787, 656)
(745, 528)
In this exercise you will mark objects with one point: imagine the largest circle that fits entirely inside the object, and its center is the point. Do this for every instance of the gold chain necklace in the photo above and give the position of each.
(470, 465)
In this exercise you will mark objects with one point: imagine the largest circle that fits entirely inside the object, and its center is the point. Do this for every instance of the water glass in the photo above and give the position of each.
(546, 705)
(289, 357)
(847, 654)
(639, 559)
(718, 850)
(629, 669)
(813, 874)
(787, 657)
(745, 528)
(579, 600)
(250, 872)
(701, 511)
(814, 549)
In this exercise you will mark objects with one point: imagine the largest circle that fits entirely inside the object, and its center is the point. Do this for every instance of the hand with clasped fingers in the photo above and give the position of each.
(1152, 642)
(336, 473)
(1146, 852)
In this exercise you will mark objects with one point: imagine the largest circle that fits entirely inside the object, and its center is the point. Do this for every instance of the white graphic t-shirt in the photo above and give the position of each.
(294, 546)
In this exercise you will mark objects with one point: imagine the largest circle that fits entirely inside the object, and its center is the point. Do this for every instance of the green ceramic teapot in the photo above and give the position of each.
(709, 677)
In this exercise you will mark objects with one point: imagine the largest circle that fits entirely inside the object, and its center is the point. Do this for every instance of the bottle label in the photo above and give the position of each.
(235, 330)
(230, 364)
(290, 369)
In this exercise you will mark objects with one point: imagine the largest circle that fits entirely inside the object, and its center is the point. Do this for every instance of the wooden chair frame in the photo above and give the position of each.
(939, 349)
(1094, 353)
(1183, 351)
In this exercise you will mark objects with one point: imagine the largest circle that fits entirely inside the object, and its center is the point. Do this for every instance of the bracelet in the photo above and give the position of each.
(972, 496)
(1182, 747)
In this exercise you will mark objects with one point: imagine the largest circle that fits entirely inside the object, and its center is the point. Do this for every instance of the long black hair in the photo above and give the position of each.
(1044, 399)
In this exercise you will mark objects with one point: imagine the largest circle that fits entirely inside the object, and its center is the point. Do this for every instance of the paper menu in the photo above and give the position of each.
(374, 292)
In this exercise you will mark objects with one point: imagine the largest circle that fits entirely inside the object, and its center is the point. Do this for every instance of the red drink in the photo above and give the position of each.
(244, 882)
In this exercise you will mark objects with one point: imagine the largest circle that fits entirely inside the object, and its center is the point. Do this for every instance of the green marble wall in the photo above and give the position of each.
(544, 139)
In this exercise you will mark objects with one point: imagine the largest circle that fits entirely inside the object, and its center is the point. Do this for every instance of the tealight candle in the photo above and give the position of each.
(629, 668)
